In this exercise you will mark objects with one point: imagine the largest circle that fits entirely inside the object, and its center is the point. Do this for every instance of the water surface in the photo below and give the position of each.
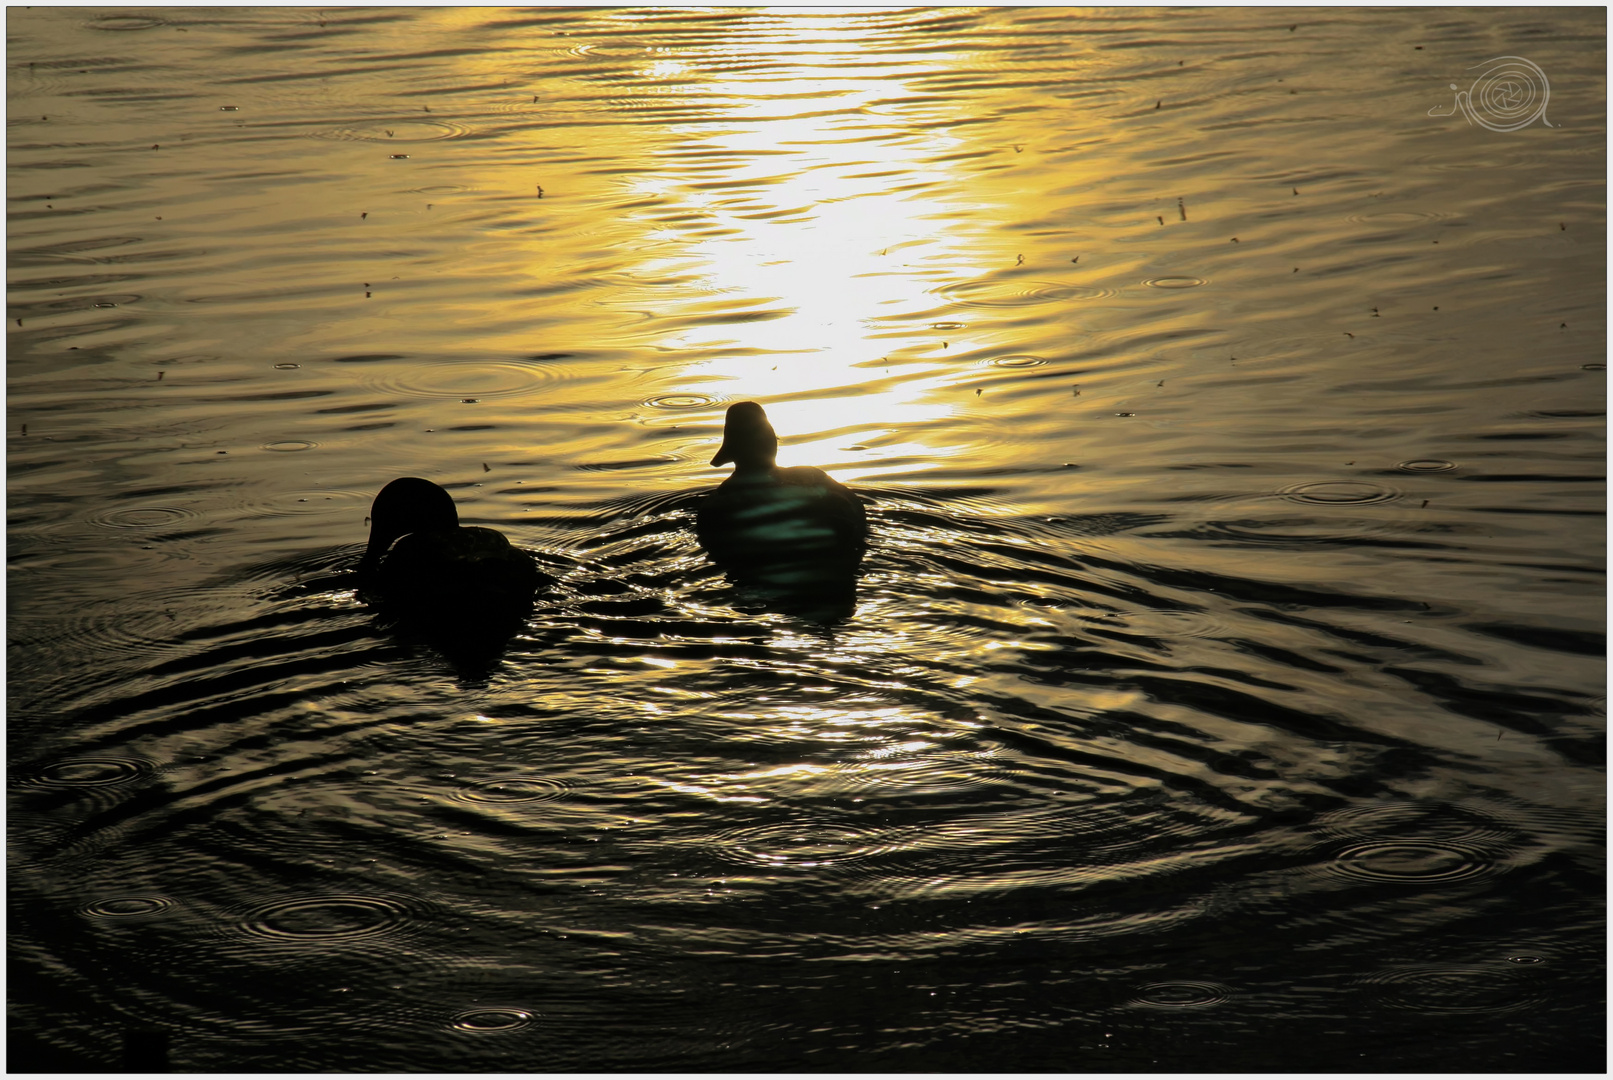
(1225, 689)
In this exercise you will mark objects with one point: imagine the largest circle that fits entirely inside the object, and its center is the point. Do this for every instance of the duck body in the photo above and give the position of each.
(787, 527)
(421, 565)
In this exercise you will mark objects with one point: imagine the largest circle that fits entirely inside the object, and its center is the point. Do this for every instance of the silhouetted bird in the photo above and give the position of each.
(793, 529)
(423, 566)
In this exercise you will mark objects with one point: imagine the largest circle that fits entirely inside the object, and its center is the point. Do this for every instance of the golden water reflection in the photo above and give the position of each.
(817, 198)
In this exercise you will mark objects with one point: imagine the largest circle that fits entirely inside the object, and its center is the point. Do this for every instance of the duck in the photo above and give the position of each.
(422, 564)
(788, 527)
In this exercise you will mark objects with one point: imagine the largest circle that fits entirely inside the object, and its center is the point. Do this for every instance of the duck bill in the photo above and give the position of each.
(724, 456)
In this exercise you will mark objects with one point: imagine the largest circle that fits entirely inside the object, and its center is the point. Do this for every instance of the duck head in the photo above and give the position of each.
(748, 440)
(406, 505)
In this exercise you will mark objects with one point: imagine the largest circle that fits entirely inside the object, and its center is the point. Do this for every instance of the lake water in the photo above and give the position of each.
(1225, 686)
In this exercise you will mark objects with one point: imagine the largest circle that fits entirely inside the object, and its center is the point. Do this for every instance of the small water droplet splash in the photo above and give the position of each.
(1415, 821)
(90, 772)
(805, 846)
(1411, 862)
(1161, 623)
(413, 131)
(1340, 493)
(986, 292)
(491, 1019)
(682, 401)
(1179, 995)
(142, 517)
(125, 908)
(456, 380)
(324, 920)
(513, 789)
(1454, 989)
(124, 22)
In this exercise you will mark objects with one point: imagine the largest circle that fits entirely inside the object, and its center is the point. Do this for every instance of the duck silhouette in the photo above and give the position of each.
(790, 529)
(423, 566)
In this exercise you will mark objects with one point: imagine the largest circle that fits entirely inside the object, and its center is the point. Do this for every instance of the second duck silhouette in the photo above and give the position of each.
(789, 528)
(424, 567)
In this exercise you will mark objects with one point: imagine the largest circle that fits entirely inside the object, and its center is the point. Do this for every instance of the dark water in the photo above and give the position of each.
(1225, 689)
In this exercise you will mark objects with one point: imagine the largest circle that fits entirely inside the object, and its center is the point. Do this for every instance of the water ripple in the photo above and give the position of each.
(1454, 990)
(321, 921)
(93, 772)
(805, 846)
(1179, 995)
(1420, 821)
(491, 1019)
(1411, 862)
(127, 908)
(989, 292)
(513, 789)
(143, 517)
(450, 380)
(683, 401)
(1340, 492)
(400, 131)
(124, 22)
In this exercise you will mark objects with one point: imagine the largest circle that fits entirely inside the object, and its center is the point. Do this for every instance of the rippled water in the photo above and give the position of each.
(1226, 684)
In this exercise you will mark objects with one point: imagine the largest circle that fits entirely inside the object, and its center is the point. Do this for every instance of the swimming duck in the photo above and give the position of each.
(790, 528)
(422, 564)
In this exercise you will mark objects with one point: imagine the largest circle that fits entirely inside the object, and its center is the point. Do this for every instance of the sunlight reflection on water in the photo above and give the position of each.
(1228, 656)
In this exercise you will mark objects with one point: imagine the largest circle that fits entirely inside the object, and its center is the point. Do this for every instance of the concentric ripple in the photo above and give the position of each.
(491, 1019)
(513, 789)
(1411, 862)
(1174, 282)
(101, 630)
(297, 502)
(124, 22)
(142, 517)
(682, 401)
(324, 920)
(986, 292)
(461, 379)
(289, 446)
(1454, 990)
(928, 771)
(1293, 531)
(1163, 622)
(1179, 995)
(1426, 465)
(125, 908)
(398, 131)
(90, 772)
(803, 846)
(1340, 493)
(1404, 820)
(1397, 217)
(1017, 360)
